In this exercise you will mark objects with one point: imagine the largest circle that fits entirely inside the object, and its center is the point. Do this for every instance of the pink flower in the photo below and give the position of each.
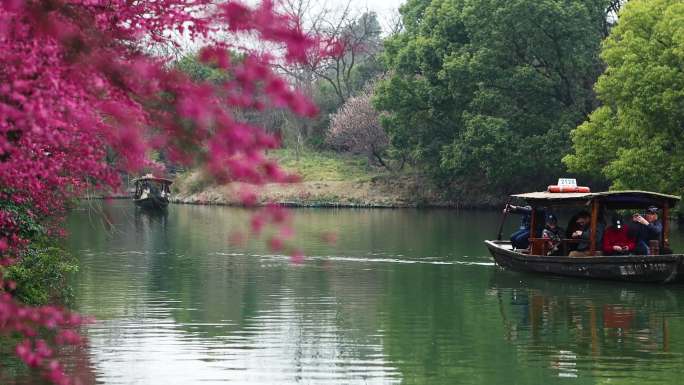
(80, 103)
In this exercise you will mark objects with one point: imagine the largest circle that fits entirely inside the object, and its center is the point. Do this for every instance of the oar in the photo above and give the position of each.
(503, 219)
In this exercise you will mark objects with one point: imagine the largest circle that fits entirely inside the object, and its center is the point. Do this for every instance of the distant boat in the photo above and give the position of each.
(658, 267)
(151, 192)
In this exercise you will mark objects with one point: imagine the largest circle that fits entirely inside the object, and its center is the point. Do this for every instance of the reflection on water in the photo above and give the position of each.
(404, 296)
(593, 329)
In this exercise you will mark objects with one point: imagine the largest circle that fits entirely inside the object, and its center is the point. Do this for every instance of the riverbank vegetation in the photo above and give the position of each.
(89, 93)
(502, 97)
(485, 94)
(327, 178)
(39, 274)
(485, 98)
(635, 137)
(36, 274)
(330, 179)
(462, 98)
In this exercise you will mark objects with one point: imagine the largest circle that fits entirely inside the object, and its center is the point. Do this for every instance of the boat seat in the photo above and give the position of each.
(539, 246)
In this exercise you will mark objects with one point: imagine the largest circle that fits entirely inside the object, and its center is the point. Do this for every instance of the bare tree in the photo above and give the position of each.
(393, 23)
(346, 38)
(345, 57)
(611, 15)
(355, 127)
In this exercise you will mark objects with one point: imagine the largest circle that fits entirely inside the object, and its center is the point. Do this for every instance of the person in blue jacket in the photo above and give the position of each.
(645, 228)
(520, 239)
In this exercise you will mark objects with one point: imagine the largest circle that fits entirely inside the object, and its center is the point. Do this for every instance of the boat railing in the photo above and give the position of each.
(540, 246)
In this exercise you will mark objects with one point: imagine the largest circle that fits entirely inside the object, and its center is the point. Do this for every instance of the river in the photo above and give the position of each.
(401, 297)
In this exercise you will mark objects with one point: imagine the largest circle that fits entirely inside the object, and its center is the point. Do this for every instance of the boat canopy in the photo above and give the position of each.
(611, 199)
(152, 178)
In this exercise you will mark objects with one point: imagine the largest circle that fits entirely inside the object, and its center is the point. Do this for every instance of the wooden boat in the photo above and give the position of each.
(661, 268)
(151, 192)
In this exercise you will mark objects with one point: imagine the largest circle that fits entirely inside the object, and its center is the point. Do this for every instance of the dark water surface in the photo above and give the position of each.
(404, 296)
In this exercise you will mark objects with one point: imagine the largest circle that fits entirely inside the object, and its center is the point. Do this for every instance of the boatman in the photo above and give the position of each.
(645, 228)
(521, 238)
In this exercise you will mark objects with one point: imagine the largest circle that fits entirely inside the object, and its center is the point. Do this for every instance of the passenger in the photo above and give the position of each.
(616, 239)
(583, 233)
(553, 233)
(644, 229)
(521, 238)
(572, 227)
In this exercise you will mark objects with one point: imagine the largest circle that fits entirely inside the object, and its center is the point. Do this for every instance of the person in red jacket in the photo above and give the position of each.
(616, 240)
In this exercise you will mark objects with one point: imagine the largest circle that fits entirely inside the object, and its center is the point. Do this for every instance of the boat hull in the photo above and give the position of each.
(628, 268)
(152, 203)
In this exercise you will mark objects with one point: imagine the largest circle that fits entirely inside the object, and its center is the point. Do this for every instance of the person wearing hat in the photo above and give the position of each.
(616, 239)
(553, 233)
(644, 229)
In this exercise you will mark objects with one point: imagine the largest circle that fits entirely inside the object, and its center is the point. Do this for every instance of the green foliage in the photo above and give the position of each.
(486, 92)
(198, 71)
(636, 139)
(26, 220)
(41, 269)
(41, 275)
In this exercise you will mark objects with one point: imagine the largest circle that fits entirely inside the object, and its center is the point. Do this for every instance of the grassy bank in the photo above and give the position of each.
(327, 166)
(328, 180)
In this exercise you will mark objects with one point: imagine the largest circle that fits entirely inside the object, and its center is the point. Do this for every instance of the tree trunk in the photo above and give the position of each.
(379, 158)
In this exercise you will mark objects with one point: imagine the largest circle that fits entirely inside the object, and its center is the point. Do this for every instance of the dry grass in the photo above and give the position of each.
(326, 166)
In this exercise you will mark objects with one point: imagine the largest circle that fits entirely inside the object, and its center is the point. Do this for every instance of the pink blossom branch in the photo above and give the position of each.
(76, 87)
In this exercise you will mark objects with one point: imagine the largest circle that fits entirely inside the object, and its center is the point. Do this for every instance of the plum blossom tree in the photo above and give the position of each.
(356, 127)
(82, 99)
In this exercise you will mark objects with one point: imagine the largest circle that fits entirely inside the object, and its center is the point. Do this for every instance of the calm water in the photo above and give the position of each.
(403, 296)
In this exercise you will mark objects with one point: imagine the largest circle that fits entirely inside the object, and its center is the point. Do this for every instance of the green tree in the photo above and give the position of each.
(485, 92)
(198, 71)
(636, 138)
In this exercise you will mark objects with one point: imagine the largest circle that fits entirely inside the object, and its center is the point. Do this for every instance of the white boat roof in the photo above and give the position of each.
(625, 198)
